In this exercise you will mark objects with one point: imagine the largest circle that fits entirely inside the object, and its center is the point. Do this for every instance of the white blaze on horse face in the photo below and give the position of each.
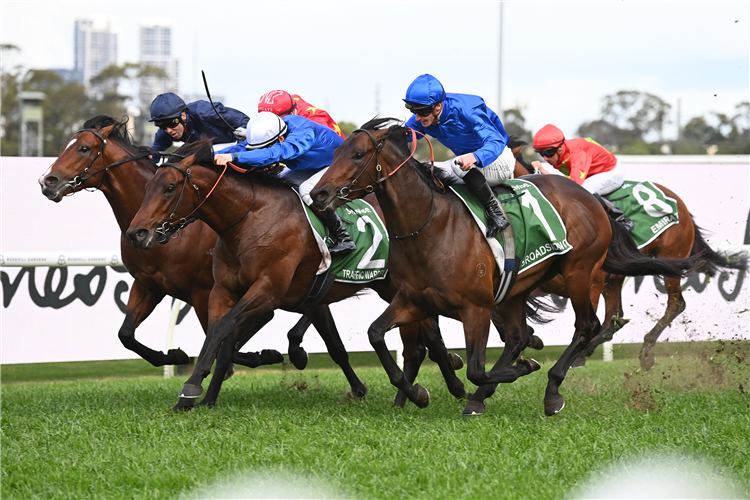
(73, 140)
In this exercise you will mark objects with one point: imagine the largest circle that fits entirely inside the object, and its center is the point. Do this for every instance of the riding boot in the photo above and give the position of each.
(341, 242)
(478, 186)
(615, 212)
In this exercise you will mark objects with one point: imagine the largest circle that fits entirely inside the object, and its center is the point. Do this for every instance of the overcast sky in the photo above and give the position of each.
(559, 59)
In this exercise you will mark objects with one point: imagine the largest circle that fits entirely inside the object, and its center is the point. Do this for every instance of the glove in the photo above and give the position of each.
(240, 134)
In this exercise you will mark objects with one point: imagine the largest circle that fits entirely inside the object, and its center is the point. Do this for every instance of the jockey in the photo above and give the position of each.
(282, 103)
(465, 125)
(586, 163)
(305, 147)
(180, 122)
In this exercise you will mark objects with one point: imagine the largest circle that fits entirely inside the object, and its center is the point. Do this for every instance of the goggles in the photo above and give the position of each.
(548, 153)
(169, 123)
(419, 109)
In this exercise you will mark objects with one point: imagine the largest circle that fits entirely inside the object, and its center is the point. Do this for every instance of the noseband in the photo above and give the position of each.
(82, 177)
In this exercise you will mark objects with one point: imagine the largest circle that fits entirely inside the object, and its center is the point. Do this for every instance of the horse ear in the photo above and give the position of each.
(105, 131)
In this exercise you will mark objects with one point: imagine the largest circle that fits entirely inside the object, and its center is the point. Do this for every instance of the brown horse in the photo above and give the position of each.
(441, 263)
(263, 260)
(681, 240)
(101, 156)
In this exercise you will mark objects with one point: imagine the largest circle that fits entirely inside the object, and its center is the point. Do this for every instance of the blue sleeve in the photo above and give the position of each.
(413, 123)
(296, 144)
(234, 148)
(493, 143)
(162, 141)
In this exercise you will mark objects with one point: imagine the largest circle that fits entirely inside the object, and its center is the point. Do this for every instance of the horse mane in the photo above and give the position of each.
(119, 133)
(204, 156)
(398, 135)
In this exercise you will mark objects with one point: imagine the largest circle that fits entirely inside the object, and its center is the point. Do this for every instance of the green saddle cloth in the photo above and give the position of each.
(648, 207)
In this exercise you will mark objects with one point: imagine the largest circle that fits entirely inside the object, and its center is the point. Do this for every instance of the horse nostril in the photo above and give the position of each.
(50, 181)
(321, 194)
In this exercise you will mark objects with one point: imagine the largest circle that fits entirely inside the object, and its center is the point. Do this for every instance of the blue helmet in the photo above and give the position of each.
(425, 90)
(167, 106)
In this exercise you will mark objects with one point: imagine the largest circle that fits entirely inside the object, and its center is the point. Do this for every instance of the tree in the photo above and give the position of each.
(639, 112)
(515, 124)
(10, 111)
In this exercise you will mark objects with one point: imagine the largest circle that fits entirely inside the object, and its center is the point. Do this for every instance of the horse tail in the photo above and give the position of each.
(713, 261)
(516, 145)
(515, 141)
(536, 308)
(624, 258)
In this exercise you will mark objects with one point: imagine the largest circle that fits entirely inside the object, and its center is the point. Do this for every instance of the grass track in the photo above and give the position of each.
(116, 438)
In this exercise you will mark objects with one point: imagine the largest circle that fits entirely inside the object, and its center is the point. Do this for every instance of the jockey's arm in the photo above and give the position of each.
(493, 142)
(579, 166)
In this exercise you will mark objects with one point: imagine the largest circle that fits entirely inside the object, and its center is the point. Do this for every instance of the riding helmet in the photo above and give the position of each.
(425, 89)
(278, 102)
(264, 130)
(167, 106)
(548, 136)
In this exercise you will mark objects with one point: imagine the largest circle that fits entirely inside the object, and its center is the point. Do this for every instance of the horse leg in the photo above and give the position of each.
(323, 321)
(223, 362)
(414, 353)
(611, 294)
(587, 326)
(675, 306)
(534, 341)
(253, 359)
(511, 315)
(141, 303)
(398, 313)
(447, 362)
(297, 354)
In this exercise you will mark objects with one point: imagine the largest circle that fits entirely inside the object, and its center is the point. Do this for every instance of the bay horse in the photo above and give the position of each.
(679, 241)
(441, 263)
(266, 258)
(182, 270)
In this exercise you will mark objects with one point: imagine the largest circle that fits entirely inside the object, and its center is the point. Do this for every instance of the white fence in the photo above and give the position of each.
(73, 313)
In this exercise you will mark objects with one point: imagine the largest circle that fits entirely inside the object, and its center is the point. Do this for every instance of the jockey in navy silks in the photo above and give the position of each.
(306, 148)
(180, 122)
(465, 125)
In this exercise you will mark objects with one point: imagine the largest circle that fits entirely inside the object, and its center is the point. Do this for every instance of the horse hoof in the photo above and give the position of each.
(184, 405)
(531, 364)
(553, 406)
(177, 357)
(230, 371)
(536, 343)
(579, 362)
(456, 360)
(423, 397)
(271, 357)
(299, 358)
(191, 391)
(647, 362)
(358, 393)
(473, 408)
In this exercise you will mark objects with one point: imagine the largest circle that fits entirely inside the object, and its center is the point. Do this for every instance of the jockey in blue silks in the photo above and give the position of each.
(465, 125)
(306, 148)
(180, 122)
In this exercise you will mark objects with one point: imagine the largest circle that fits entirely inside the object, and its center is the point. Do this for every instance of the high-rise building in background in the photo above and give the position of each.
(95, 48)
(156, 51)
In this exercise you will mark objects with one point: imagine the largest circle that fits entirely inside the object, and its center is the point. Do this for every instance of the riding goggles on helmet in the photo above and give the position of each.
(419, 109)
(169, 123)
(547, 153)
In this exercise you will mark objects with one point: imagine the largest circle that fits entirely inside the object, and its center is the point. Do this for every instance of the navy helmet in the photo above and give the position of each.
(167, 106)
(425, 90)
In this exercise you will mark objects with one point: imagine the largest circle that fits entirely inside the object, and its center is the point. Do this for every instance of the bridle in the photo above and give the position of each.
(378, 145)
(82, 177)
(171, 228)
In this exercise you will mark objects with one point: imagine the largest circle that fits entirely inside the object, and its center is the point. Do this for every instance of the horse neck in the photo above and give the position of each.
(124, 185)
(406, 200)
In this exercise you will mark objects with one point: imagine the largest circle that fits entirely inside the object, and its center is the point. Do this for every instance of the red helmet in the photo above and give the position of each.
(548, 136)
(278, 102)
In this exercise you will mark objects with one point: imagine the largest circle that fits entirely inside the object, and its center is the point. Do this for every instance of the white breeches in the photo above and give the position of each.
(496, 172)
(606, 182)
(305, 181)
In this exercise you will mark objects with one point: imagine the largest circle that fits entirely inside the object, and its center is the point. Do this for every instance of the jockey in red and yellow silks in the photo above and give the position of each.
(282, 103)
(585, 162)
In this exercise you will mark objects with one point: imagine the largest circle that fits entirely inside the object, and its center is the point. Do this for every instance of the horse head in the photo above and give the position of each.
(171, 197)
(85, 159)
(358, 167)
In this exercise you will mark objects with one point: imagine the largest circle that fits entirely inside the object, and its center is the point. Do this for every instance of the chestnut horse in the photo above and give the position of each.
(266, 258)
(681, 240)
(439, 257)
(101, 156)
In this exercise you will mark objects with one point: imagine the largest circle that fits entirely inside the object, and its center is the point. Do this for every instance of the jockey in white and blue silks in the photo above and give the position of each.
(465, 125)
(306, 148)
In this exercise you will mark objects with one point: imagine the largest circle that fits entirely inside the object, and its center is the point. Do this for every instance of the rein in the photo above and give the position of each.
(82, 177)
(346, 190)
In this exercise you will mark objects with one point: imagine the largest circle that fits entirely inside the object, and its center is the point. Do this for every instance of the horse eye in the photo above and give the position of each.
(169, 189)
(359, 155)
(84, 149)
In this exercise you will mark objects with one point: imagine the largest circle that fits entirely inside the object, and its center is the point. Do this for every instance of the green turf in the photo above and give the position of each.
(38, 372)
(274, 431)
